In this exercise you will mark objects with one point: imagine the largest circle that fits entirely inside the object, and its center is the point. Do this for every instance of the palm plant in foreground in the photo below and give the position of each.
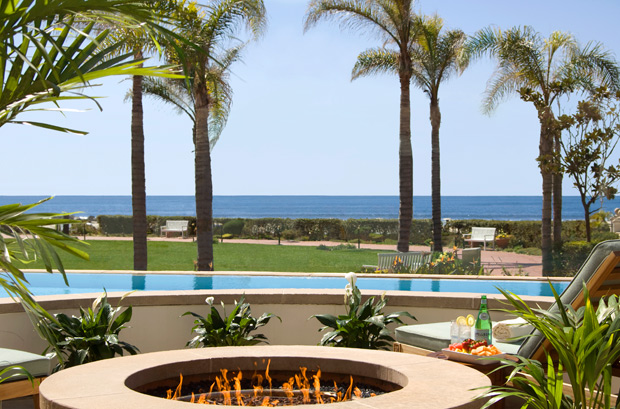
(25, 237)
(435, 57)
(395, 22)
(541, 71)
(587, 344)
(49, 52)
(212, 31)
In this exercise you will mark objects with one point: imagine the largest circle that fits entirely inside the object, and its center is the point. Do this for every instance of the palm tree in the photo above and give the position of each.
(395, 22)
(211, 31)
(541, 71)
(435, 57)
(178, 93)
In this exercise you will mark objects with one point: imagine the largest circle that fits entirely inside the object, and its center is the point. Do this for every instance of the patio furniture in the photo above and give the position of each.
(175, 226)
(471, 256)
(413, 259)
(600, 272)
(37, 365)
(482, 235)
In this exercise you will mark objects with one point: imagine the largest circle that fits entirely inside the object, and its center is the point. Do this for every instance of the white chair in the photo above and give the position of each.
(482, 235)
(177, 226)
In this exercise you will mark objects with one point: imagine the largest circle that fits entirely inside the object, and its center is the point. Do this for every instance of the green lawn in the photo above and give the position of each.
(118, 255)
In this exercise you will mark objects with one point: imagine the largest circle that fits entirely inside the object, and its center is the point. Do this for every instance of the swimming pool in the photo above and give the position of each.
(52, 284)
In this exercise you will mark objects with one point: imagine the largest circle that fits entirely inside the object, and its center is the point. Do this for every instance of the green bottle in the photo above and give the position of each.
(483, 327)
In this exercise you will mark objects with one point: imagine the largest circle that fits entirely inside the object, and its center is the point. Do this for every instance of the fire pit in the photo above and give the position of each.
(403, 380)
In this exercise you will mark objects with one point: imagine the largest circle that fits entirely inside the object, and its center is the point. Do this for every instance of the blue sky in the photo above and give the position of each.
(300, 126)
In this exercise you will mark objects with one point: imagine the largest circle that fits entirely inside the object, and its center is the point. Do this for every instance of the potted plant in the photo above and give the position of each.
(502, 239)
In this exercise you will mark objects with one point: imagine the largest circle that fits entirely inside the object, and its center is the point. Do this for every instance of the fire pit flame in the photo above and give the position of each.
(297, 390)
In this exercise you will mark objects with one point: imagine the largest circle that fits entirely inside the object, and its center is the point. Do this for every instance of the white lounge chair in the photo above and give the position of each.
(482, 235)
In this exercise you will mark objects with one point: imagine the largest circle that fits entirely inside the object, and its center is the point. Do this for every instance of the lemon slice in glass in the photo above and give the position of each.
(461, 320)
(470, 320)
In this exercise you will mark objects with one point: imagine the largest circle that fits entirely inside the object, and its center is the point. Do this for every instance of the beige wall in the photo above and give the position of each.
(157, 324)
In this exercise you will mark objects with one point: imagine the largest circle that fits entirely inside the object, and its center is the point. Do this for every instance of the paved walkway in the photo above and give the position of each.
(492, 260)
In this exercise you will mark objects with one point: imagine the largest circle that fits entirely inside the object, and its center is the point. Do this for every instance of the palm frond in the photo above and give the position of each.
(359, 15)
(375, 61)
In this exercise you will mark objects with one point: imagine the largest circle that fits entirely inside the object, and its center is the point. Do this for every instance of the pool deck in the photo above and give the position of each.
(494, 260)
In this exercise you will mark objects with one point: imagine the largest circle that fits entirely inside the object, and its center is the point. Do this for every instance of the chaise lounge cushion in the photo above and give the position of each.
(37, 365)
(436, 336)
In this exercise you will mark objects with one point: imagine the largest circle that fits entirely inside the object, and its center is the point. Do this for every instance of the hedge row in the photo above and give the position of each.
(523, 233)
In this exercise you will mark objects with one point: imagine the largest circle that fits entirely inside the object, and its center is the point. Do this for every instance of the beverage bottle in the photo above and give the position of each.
(482, 328)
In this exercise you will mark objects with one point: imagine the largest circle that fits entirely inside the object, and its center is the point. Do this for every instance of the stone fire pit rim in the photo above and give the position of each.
(428, 382)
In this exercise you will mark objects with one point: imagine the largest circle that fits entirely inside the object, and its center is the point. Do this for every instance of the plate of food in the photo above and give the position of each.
(473, 352)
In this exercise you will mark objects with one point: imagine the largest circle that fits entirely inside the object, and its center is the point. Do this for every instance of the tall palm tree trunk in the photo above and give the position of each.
(138, 179)
(546, 152)
(204, 183)
(436, 175)
(405, 214)
(557, 197)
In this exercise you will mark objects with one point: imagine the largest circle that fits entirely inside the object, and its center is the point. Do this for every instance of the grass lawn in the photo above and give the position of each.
(162, 255)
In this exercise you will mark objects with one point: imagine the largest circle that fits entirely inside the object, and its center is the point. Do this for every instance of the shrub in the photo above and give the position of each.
(376, 237)
(587, 347)
(233, 330)
(363, 326)
(234, 227)
(571, 257)
(288, 234)
(90, 337)
(115, 225)
(227, 236)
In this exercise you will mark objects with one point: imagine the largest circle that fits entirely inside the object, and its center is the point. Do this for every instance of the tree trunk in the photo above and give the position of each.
(545, 158)
(138, 179)
(586, 210)
(204, 183)
(557, 195)
(436, 174)
(405, 214)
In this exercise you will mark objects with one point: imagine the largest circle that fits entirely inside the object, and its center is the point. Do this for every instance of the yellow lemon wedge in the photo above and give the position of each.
(461, 320)
(471, 320)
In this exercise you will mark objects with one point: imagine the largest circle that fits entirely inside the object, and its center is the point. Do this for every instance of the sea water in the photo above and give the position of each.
(340, 207)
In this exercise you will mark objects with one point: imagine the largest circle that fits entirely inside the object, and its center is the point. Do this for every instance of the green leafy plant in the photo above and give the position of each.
(364, 325)
(15, 371)
(587, 345)
(92, 336)
(232, 330)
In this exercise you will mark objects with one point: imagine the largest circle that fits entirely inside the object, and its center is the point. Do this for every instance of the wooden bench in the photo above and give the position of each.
(175, 226)
(482, 235)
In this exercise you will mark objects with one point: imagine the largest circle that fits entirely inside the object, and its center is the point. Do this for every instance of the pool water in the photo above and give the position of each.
(52, 284)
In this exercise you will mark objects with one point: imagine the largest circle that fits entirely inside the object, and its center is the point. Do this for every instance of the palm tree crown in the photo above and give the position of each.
(541, 70)
(394, 22)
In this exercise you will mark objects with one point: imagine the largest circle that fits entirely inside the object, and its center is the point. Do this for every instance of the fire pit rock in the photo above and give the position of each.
(425, 382)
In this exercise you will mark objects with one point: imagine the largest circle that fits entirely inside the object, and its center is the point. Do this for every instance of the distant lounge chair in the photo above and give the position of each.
(600, 272)
(471, 256)
(412, 259)
(482, 235)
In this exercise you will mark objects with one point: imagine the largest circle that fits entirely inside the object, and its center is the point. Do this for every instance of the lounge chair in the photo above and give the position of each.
(600, 272)
(471, 256)
(37, 365)
(413, 259)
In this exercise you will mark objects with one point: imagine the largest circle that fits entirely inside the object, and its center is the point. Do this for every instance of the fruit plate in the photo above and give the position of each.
(472, 359)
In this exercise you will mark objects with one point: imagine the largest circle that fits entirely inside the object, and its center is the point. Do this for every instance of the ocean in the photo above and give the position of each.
(340, 207)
